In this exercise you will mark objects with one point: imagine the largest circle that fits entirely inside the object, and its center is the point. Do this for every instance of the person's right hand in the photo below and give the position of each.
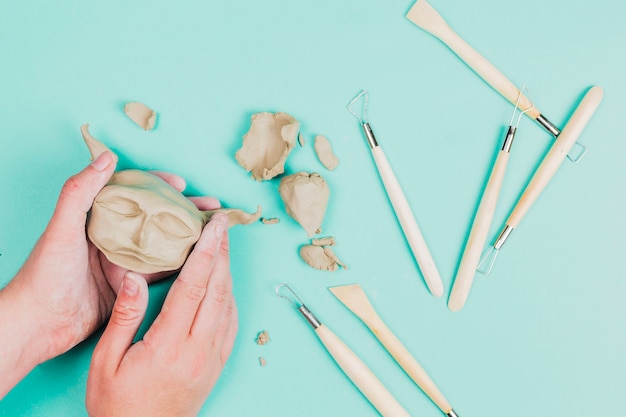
(174, 368)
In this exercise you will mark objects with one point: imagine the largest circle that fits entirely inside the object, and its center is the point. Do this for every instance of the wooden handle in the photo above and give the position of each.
(409, 225)
(408, 362)
(423, 15)
(553, 159)
(360, 375)
(478, 235)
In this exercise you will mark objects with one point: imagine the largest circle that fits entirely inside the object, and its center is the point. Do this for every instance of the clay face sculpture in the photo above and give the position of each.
(143, 224)
(136, 210)
(267, 144)
(305, 196)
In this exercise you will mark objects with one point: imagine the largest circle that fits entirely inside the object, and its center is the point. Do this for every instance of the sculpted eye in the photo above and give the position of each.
(122, 206)
(172, 225)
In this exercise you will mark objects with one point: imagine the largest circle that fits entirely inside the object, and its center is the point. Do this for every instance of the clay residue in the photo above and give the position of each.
(301, 139)
(325, 152)
(305, 196)
(323, 241)
(263, 338)
(142, 115)
(270, 220)
(262, 361)
(267, 144)
(321, 257)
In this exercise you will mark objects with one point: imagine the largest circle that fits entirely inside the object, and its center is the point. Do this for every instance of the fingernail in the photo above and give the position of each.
(221, 223)
(130, 285)
(103, 161)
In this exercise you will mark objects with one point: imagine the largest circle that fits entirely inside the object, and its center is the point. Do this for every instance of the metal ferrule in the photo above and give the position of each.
(504, 235)
(371, 139)
(548, 125)
(309, 316)
(508, 140)
(452, 414)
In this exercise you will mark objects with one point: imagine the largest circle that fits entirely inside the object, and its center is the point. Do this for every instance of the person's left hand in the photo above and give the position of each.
(67, 283)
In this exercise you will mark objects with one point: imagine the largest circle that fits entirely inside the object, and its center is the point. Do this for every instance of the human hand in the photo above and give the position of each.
(174, 368)
(66, 288)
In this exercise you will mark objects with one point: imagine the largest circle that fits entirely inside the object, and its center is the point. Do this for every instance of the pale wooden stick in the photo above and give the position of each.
(558, 151)
(408, 224)
(360, 375)
(355, 299)
(423, 15)
(478, 235)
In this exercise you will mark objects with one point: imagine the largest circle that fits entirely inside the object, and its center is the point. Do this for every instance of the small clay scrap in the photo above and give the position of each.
(267, 144)
(301, 139)
(270, 220)
(263, 338)
(323, 241)
(141, 114)
(143, 224)
(325, 152)
(305, 196)
(321, 257)
(262, 361)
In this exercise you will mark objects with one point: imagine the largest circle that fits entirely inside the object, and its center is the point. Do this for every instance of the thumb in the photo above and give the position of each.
(79, 191)
(128, 313)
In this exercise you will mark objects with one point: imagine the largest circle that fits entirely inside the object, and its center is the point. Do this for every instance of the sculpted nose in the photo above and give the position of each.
(138, 237)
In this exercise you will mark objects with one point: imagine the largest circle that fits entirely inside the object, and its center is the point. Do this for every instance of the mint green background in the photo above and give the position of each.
(543, 335)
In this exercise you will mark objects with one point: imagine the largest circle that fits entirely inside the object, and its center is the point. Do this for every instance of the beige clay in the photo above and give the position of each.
(325, 152)
(323, 241)
(143, 224)
(305, 196)
(267, 144)
(270, 220)
(141, 114)
(301, 139)
(263, 338)
(321, 257)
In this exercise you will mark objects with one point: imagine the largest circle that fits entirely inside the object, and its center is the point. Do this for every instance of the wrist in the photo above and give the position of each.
(24, 347)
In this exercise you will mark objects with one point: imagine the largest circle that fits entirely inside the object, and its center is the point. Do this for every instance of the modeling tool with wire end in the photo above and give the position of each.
(399, 202)
(484, 215)
(355, 299)
(426, 17)
(550, 164)
(354, 368)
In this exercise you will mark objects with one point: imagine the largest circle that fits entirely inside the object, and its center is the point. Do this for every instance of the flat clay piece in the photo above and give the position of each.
(323, 241)
(305, 196)
(267, 144)
(262, 361)
(270, 220)
(301, 139)
(319, 257)
(143, 224)
(142, 115)
(325, 152)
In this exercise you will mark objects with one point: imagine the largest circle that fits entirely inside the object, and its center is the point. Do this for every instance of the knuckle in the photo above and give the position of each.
(71, 187)
(221, 293)
(125, 314)
(193, 291)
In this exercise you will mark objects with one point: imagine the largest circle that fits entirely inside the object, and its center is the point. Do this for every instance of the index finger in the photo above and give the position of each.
(188, 290)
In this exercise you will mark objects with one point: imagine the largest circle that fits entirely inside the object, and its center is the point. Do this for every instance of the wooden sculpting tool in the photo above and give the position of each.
(426, 17)
(550, 164)
(355, 299)
(482, 220)
(399, 203)
(362, 377)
